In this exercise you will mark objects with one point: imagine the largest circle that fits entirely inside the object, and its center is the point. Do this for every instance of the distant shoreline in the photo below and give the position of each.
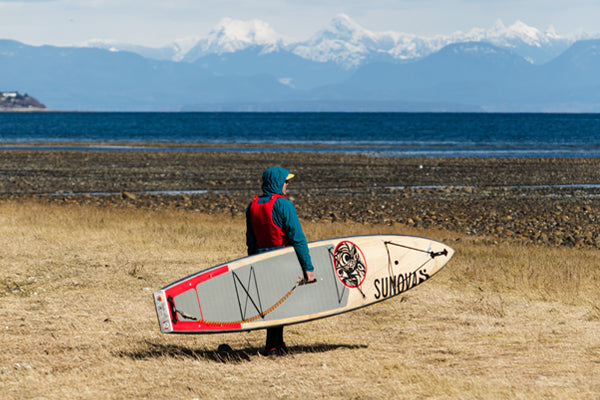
(383, 150)
(25, 109)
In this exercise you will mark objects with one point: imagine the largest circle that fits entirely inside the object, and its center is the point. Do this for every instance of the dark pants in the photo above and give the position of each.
(274, 337)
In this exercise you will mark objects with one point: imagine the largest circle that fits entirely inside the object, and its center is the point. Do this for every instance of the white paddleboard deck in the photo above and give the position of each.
(263, 290)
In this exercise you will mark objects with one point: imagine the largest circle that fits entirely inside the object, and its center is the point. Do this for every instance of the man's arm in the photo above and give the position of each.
(284, 215)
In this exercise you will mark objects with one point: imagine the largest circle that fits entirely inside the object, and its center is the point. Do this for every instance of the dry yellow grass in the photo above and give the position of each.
(499, 322)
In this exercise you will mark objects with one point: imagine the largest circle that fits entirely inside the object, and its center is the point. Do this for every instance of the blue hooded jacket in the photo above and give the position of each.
(284, 216)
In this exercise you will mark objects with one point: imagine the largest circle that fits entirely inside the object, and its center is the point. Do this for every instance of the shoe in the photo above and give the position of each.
(280, 350)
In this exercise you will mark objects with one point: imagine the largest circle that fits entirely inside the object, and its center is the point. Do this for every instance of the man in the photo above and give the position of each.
(271, 223)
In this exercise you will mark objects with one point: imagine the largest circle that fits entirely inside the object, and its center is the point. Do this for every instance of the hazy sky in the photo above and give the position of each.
(159, 22)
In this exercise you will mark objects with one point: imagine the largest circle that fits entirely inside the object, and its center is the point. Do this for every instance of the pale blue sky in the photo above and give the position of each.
(160, 22)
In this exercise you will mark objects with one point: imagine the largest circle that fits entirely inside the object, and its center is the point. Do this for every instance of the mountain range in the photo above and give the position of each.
(247, 66)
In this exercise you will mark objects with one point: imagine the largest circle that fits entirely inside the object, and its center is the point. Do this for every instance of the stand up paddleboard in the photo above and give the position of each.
(265, 290)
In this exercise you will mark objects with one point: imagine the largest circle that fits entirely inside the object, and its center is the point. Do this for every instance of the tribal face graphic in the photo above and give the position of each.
(349, 263)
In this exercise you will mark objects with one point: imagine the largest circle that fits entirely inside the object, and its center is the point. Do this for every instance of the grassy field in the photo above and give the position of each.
(499, 322)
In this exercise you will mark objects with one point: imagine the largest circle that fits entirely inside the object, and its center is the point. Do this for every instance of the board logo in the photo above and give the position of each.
(349, 264)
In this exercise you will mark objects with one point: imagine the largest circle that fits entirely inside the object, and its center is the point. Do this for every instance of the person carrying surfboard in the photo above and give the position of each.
(272, 223)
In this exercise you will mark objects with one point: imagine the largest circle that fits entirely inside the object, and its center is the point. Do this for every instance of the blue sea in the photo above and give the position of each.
(381, 134)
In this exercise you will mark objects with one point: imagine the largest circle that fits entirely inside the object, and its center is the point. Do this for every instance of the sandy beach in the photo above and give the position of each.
(550, 201)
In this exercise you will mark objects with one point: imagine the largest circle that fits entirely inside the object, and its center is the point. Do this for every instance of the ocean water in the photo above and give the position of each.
(383, 134)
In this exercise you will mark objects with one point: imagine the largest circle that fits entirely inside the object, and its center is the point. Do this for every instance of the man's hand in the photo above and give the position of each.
(309, 277)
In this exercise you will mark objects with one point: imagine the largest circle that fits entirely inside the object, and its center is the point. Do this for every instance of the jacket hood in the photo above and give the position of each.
(273, 180)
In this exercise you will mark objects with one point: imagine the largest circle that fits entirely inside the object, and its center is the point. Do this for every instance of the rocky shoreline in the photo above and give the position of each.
(551, 201)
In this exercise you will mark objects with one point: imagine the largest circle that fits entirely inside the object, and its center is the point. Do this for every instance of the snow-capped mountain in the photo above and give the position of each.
(517, 33)
(345, 42)
(532, 44)
(350, 45)
(234, 35)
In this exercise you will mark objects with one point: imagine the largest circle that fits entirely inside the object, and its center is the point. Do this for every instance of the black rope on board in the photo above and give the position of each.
(258, 307)
(339, 296)
(361, 292)
(175, 311)
(431, 253)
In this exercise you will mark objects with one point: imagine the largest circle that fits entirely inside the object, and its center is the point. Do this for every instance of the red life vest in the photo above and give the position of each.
(267, 234)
